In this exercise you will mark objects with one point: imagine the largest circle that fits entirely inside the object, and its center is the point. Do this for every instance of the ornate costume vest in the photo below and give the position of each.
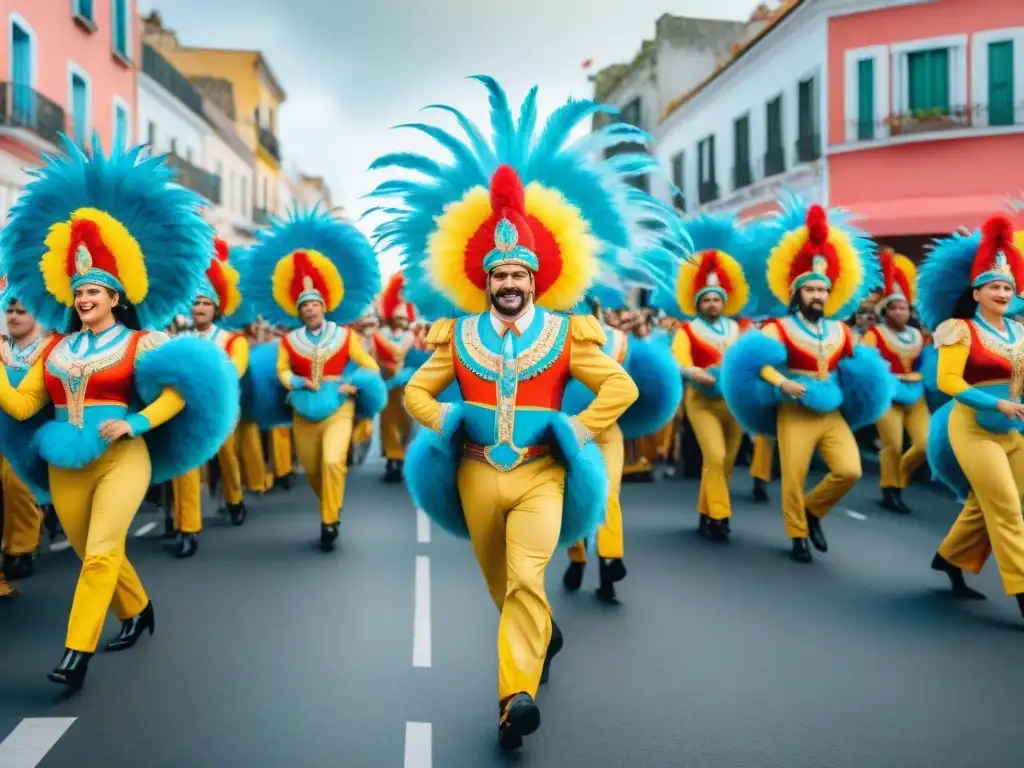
(900, 349)
(995, 360)
(390, 347)
(811, 354)
(512, 385)
(321, 356)
(707, 343)
(222, 338)
(17, 360)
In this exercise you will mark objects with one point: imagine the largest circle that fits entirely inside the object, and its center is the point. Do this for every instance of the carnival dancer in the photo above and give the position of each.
(900, 345)
(965, 287)
(501, 465)
(801, 378)
(98, 249)
(390, 346)
(314, 269)
(218, 296)
(708, 291)
(19, 349)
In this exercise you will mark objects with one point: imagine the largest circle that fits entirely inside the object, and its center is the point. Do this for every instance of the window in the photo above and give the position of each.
(741, 175)
(231, 192)
(79, 109)
(807, 146)
(866, 99)
(22, 55)
(1000, 83)
(244, 207)
(707, 190)
(121, 133)
(151, 135)
(83, 9)
(775, 154)
(928, 88)
(631, 113)
(174, 147)
(119, 25)
(679, 180)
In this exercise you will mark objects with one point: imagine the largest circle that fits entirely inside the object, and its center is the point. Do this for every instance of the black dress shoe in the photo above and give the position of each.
(816, 534)
(18, 567)
(801, 553)
(188, 545)
(132, 629)
(328, 535)
(237, 512)
(761, 492)
(616, 568)
(1020, 603)
(284, 482)
(573, 578)
(956, 579)
(71, 670)
(903, 509)
(713, 530)
(554, 646)
(520, 716)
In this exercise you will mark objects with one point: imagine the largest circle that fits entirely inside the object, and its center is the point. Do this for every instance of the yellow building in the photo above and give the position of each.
(243, 86)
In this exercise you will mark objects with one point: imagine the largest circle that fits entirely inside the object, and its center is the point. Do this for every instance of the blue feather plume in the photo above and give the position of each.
(139, 191)
(944, 276)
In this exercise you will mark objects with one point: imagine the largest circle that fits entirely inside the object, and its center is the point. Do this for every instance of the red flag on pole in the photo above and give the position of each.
(587, 64)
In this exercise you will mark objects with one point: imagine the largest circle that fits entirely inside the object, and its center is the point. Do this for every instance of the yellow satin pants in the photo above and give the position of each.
(719, 436)
(96, 505)
(800, 432)
(253, 462)
(610, 540)
(395, 426)
(762, 462)
(187, 488)
(362, 431)
(640, 454)
(281, 446)
(990, 522)
(323, 453)
(514, 519)
(23, 519)
(897, 467)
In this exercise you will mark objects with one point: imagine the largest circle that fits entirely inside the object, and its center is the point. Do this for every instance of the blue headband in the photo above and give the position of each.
(1000, 272)
(507, 250)
(710, 289)
(94, 276)
(310, 294)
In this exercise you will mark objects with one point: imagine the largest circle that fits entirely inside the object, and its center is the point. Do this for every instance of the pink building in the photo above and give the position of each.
(65, 66)
(925, 115)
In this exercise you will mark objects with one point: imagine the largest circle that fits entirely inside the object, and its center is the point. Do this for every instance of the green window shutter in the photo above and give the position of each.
(940, 80)
(866, 99)
(1000, 83)
(928, 76)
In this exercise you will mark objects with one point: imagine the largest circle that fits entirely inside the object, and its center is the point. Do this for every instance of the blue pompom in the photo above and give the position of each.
(586, 483)
(657, 377)
(940, 454)
(867, 387)
(264, 400)
(752, 400)
(371, 391)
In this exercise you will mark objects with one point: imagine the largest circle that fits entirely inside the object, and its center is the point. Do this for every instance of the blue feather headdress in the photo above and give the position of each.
(311, 254)
(759, 235)
(243, 316)
(118, 221)
(582, 206)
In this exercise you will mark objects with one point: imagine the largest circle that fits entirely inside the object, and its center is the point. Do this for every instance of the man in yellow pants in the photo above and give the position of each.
(218, 296)
(390, 346)
(22, 527)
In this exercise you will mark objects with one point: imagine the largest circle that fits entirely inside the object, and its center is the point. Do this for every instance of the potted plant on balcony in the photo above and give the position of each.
(895, 123)
(934, 119)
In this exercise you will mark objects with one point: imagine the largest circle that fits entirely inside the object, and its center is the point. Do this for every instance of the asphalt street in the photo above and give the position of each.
(271, 654)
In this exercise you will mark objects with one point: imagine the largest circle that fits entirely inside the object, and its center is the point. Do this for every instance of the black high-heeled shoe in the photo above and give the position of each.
(71, 670)
(132, 629)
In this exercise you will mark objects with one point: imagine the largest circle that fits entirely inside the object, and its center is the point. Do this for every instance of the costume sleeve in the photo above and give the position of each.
(238, 351)
(357, 354)
(768, 373)
(284, 370)
(29, 398)
(168, 405)
(432, 378)
(683, 353)
(588, 364)
(953, 339)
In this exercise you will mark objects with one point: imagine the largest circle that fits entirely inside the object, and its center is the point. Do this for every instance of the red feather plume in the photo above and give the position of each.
(220, 249)
(996, 236)
(87, 233)
(710, 262)
(508, 200)
(218, 280)
(817, 245)
(391, 299)
(303, 268)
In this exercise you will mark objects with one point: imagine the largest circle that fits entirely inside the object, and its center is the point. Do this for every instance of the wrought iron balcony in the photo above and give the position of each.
(742, 175)
(774, 162)
(261, 217)
(269, 142)
(163, 72)
(198, 180)
(22, 107)
(707, 192)
(808, 148)
(928, 121)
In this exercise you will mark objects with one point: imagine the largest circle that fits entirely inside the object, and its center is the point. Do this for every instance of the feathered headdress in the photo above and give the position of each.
(5, 292)
(116, 221)
(568, 212)
(311, 256)
(899, 278)
(957, 263)
(758, 235)
(392, 300)
(811, 244)
(220, 283)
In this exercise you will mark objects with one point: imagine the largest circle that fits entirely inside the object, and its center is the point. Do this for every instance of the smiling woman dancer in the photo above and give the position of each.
(966, 285)
(102, 250)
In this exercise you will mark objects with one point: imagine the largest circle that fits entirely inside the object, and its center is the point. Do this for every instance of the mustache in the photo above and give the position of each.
(509, 292)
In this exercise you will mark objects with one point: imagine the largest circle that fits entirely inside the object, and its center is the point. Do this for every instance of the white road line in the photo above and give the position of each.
(145, 529)
(421, 615)
(419, 749)
(32, 739)
(422, 527)
(855, 515)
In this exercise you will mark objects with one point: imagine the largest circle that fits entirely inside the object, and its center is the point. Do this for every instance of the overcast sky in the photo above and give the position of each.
(353, 68)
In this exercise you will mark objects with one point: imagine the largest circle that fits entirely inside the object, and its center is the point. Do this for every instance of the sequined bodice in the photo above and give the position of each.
(995, 357)
(315, 356)
(900, 349)
(814, 351)
(709, 341)
(21, 358)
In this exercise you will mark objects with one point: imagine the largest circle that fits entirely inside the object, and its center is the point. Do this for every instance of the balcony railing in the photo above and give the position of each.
(742, 175)
(940, 120)
(707, 192)
(808, 148)
(22, 107)
(161, 70)
(261, 217)
(269, 142)
(774, 162)
(198, 180)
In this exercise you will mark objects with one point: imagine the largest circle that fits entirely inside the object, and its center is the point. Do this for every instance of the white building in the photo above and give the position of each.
(230, 159)
(170, 110)
(299, 190)
(754, 126)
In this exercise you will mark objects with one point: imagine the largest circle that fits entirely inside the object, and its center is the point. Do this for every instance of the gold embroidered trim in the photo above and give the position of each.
(718, 341)
(950, 332)
(79, 370)
(320, 353)
(527, 359)
(907, 352)
(1013, 353)
(821, 350)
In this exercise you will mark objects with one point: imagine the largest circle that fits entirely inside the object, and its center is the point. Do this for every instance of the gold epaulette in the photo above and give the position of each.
(951, 332)
(586, 328)
(440, 333)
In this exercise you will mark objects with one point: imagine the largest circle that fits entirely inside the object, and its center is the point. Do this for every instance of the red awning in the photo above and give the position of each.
(926, 215)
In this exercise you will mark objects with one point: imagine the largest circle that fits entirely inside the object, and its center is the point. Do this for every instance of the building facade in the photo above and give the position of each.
(68, 67)
(908, 112)
(230, 158)
(297, 190)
